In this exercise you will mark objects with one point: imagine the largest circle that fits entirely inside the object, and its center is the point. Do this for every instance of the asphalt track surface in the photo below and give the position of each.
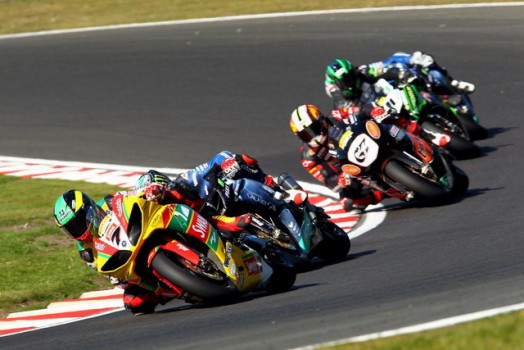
(172, 96)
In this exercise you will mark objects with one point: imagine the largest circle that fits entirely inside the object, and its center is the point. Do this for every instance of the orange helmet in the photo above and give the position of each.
(308, 123)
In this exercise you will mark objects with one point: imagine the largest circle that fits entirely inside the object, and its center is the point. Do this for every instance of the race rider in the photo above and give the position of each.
(422, 64)
(350, 86)
(320, 156)
(200, 181)
(78, 216)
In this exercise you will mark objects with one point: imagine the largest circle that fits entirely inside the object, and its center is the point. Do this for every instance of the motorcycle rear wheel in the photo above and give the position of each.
(474, 130)
(335, 244)
(423, 188)
(458, 146)
(219, 289)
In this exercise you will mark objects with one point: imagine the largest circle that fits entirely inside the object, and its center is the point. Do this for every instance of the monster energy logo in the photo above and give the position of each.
(411, 98)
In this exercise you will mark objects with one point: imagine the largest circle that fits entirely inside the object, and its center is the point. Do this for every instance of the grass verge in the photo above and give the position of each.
(17, 16)
(38, 263)
(503, 332)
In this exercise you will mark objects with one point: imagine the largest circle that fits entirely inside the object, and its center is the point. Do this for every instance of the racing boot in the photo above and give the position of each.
(139, 300)
(231, 223)
(360, 204)
(463, 86)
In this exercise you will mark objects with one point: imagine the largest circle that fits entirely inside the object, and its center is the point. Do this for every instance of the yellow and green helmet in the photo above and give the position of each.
(76, 214)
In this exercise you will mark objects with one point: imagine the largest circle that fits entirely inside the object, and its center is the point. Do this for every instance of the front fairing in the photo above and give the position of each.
(364, 149)
(122, 249)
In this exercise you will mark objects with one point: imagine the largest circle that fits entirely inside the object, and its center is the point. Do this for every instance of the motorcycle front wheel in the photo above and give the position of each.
(411, 181)
(211, 284)
(335, 243)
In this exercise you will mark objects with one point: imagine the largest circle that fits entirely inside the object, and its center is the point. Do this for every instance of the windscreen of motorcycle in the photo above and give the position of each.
(363, 151)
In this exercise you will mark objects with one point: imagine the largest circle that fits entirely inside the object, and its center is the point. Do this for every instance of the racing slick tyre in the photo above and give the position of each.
(474, 129)
(211, 285)
(335, 244)
(458, 146)
(423, 188)
(461, 182)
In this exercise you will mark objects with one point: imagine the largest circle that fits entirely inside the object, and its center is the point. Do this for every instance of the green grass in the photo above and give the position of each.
(504, 332)
(18, 16)
(38, 263)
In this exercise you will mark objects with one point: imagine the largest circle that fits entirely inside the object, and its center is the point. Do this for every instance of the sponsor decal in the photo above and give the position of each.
(394, 131)
(63, 214)
(213, 239)
(182, 247)
(230, 167)
(373, 129)
(100, 246)
(229, 249)
(107, 227)
(199, 228)
(201, 168)
(351, 169)
(363, 151)
(251, 265)
(117, 205)
(258, 199)
(422, 149)
(307, 163)
(344, 139)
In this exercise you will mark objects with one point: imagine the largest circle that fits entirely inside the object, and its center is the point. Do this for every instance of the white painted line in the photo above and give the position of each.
(69, 305)
(102, 293)
(89, 165)
(49, 323)
(445, 322)
(368, 221)
(34, 323)
(261, 16)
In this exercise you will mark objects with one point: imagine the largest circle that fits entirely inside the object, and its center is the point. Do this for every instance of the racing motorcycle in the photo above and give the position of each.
(440, 85)
(284, 215)
(174, 247)
(397, 163)
(435, 117)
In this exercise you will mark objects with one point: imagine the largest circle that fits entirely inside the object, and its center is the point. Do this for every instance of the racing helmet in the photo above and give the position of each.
(152, 176)
(343, 74)
(308, 123)
(77, 215)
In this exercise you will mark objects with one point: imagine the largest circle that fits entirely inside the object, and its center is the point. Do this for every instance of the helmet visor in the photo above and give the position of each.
(312, 131)
(348, 83)
(77, 227)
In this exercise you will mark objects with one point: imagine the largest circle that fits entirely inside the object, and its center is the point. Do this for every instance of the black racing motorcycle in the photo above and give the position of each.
(397, 163)
(282, 214)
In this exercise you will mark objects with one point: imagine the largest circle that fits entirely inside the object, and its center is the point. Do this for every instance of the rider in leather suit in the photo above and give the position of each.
(349, 86)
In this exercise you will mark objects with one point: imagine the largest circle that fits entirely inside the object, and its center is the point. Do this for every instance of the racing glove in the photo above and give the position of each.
(421, 59)
(154, 192)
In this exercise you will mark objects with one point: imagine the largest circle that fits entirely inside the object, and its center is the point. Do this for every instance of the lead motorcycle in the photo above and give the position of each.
(174, 247)
(401, 165)
(284, 215)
